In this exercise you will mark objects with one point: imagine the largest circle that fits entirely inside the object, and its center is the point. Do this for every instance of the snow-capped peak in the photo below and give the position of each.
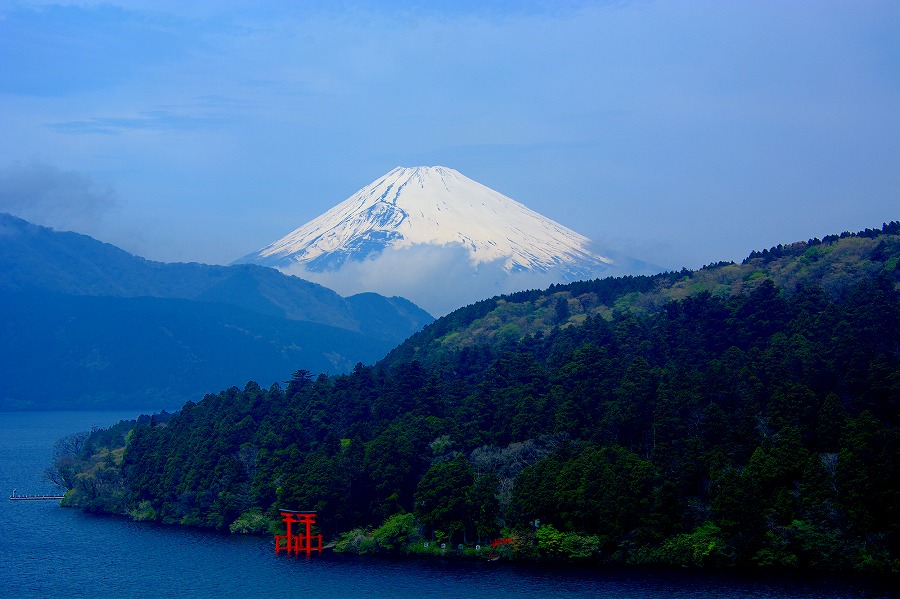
(432, 206)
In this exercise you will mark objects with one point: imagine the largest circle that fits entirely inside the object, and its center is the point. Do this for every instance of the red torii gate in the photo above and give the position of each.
(298, 542)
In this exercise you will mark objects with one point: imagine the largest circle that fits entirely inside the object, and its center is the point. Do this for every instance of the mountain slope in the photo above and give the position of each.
(99, 352)
(35, 257)
(439, 238)
(834, 263)
(86, 324)
(433, 205)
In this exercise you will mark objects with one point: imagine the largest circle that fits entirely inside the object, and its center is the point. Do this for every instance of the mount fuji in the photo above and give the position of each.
(436, 237)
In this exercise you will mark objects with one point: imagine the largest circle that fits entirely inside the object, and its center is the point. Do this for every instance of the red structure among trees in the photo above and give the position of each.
(300, 541)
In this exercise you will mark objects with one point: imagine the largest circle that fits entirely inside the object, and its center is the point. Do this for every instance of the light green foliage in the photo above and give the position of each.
(704, 546)
(400, 533)
(253, 521)
(358, 541)
(571, 545)
(397, 531)
(580, 546)
(143, 512)
(549, 540)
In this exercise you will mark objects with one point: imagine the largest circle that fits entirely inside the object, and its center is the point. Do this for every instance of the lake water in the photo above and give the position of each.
(47, 551)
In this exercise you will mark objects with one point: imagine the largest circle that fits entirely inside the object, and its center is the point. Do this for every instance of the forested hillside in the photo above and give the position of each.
(679, 419)
(833, 263)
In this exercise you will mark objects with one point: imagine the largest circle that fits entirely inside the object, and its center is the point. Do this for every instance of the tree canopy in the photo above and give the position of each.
(750, 429)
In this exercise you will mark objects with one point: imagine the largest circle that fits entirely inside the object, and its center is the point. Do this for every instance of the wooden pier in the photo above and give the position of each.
(16, 497)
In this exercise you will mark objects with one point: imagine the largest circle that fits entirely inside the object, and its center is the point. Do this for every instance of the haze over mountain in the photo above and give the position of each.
(439, 238)
(87, 324)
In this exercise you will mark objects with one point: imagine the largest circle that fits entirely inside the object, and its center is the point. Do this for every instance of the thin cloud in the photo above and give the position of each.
(437, 278)
(157, 120)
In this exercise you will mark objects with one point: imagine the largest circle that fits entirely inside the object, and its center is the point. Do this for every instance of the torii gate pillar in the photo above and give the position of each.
(300, 541)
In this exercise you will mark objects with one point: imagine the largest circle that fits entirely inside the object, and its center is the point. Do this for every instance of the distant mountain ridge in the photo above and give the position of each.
(32, 256)
(186, 328)
(474, 242)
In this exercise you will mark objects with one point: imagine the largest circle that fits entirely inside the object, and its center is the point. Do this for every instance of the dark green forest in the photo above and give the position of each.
(750, 425)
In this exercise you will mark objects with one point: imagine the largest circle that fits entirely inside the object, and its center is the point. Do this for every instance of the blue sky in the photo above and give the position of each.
(679, 132)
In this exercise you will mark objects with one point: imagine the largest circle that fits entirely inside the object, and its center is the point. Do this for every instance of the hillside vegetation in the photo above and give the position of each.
(834, 263)
(740, 415)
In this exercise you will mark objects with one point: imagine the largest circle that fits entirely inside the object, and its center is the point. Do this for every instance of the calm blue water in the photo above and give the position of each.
(47, 551)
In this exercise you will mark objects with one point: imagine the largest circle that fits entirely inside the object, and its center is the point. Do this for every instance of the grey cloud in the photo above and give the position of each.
(46, 195)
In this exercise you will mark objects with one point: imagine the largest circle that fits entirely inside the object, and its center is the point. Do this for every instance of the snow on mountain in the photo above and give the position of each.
(436, 237)
(435, 206)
